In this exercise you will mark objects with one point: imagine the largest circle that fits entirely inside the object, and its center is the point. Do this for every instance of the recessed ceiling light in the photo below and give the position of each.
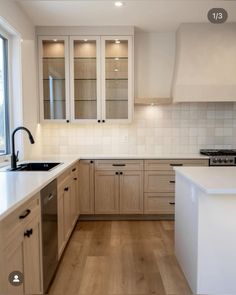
(118, 3)
(85, 40)
(117, 41)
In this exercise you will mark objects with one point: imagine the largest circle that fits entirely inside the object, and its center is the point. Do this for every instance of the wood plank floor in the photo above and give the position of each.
(120, 258)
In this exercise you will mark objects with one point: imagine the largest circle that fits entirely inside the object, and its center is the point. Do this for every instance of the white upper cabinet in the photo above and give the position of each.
(117, 78)
(54, 78)
(86, 79)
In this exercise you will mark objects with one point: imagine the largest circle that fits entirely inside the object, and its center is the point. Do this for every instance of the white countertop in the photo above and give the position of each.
(18, 187)
(212, 180)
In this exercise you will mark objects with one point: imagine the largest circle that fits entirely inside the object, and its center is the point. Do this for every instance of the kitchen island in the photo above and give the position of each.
(205, 228)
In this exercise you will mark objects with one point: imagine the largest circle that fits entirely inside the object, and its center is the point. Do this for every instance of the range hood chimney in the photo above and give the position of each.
(205, 68)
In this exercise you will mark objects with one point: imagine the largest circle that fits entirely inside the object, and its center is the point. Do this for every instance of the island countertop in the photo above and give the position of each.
(212, 180)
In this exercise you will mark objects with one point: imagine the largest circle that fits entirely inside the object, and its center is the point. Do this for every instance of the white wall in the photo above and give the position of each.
(12, 15)
(154, 64)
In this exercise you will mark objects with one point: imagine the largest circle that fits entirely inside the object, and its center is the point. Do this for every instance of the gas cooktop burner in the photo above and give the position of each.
(220, 157)
(212, 152)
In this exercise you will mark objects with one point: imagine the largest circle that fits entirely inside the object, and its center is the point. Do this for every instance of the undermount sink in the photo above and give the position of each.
(35, 167)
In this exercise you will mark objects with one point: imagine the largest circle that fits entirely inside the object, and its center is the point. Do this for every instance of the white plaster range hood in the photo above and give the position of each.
(205, 68)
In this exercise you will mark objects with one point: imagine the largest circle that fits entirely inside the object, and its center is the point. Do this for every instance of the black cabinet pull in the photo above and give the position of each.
(103, 121)
(75, 178)
(25, 214)
(172, 203)
(173, 165)
(66, 189)
(99, 121)
(121, 173)
(73, 170)
(28, 233)
(91, 162)
(67, 121)
(117, 173)
(118, 165)
(172, 181)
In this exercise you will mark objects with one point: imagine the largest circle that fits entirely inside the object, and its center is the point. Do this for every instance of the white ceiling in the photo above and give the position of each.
(146, 15)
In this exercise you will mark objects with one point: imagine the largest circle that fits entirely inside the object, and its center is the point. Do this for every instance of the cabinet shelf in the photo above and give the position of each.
(118, 57)
(55, 79)
(53, 58)
(85, 79)
(114, 79)
(85, 58)
(85, 100)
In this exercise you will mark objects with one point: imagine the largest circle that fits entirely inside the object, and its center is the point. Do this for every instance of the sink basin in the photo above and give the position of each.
(35, 167)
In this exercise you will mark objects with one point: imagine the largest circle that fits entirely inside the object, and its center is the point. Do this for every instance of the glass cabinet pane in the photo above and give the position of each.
(85, 79)
(116, 75)
(54, 97)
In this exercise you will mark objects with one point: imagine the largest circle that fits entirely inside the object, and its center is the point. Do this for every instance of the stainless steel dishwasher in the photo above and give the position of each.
(49, 232)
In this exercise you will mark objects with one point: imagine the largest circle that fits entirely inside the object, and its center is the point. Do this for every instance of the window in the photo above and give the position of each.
(4, 118)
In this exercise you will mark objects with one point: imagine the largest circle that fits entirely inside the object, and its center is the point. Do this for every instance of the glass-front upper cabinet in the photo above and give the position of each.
(54, 78)
(117, 82)
(85, 78)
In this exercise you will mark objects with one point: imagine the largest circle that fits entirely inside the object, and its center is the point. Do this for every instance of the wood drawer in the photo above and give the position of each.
(61, 178)
(16, 221)
(159, 203)
(170, 164)
(118, 165)
(159, 181)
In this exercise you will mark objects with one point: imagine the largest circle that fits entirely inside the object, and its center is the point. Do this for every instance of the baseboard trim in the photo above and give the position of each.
(104, 217)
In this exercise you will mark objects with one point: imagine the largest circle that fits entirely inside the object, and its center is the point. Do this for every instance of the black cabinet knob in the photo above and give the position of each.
(103, 121)
(75, 178)
(28, 233)
(66, 189)
(121, 173)
(99, 121)
(67, 121)
(91, 162)
(117, 173)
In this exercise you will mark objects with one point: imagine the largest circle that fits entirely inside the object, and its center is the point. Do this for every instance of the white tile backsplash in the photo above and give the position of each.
(171, 129)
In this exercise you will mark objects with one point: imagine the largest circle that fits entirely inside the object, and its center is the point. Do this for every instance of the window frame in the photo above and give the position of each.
(6, 49)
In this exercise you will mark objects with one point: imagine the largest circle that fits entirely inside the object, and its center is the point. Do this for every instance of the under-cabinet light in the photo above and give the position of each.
(118, 3)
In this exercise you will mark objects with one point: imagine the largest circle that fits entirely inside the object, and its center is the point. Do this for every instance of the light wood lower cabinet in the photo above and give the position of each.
(106, 192)
(68, 197)
(118, 192)
(162, 203)
(131, 192)
(159, 183)
(22, 250)
(86, 186)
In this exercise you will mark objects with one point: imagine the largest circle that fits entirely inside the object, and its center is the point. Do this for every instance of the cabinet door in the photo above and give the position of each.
(54, 78)
(14, 262)
(117, 78)
(74, 196)
(32, 258)
(61, 234)
(106, 192)
(67, 211)
(86, 187)
(131, 192)
(85, 78)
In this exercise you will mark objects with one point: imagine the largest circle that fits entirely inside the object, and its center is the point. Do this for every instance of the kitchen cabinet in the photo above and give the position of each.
(67, 206)
(86, 186)
(131, 192)
(159, 183)
(106, 192)
(118, 190)
(54, 78)
(21, 249)
(86, 78)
